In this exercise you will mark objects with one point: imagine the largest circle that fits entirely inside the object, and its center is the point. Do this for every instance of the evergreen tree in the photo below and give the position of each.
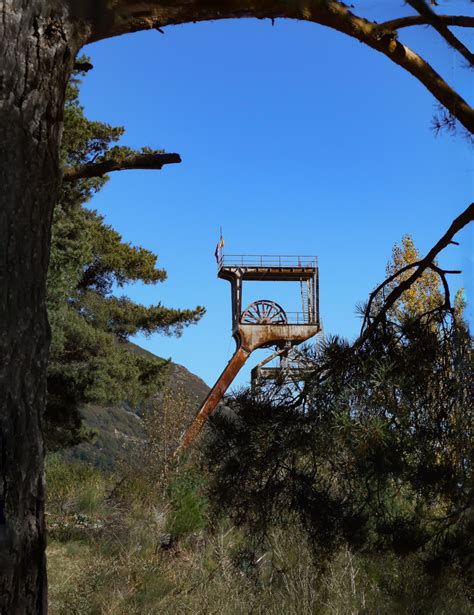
(90, 359)
(377, 452)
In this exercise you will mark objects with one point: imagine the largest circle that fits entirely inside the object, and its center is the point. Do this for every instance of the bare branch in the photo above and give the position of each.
(439, 25)
(462, 21)
(460, 222)
(380, 287)
(447, 297)
(125, 16)
(134, 161)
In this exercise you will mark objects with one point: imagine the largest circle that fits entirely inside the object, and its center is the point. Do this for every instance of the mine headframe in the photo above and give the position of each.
(264, 323)
(286, 378)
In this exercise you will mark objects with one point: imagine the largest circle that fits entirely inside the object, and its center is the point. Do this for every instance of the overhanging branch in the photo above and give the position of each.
(462, 21)
(125, 16)
(440, 26)
(132, 162)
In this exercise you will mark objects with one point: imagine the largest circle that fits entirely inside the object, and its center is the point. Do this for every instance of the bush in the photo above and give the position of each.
(188, 506)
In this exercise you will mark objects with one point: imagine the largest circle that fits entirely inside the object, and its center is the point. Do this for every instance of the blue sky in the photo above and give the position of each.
(296, 140)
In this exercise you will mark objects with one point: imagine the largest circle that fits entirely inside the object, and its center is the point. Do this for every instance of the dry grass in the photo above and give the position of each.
(106, 557)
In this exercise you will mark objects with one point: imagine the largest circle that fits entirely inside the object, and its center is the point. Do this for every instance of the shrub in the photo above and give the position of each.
(187, 503)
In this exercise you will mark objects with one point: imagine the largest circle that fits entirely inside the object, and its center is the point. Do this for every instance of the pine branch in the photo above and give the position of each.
(144, 161)
(370, 324)
(462, 21)
(433, 20)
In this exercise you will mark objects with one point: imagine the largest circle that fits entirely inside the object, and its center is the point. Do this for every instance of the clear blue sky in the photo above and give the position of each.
(296, 140)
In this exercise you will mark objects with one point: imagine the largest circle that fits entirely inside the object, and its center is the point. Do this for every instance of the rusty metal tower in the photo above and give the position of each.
(264, 323)
(291, 371)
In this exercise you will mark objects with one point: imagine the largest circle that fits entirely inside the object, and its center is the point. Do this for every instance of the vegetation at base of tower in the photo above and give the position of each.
(360, 504)
(375, 452)
(144, 540)
(111, 551)
(89, 358)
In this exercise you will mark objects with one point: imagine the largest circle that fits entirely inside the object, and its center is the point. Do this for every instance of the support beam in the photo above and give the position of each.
(214, 397)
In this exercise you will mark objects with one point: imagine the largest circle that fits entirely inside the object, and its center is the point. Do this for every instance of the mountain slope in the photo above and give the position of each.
(117, 427)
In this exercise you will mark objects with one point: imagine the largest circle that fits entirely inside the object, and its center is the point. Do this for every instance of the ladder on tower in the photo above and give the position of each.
(305, 300)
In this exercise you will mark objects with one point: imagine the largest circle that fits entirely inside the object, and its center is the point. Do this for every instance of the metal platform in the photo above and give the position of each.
(240, 268)
(268, 268)
(267, 260)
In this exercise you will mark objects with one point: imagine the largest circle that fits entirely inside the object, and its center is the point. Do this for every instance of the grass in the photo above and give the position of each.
(106, 556)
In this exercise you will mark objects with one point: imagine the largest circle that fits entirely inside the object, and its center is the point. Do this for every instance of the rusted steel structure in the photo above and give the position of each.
(292, 370)
(264, 323)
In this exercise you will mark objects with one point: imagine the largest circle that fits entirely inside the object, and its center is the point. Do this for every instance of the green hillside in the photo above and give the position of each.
(118, 427)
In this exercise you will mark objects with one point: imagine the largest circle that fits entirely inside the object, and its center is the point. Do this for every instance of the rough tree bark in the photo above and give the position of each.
(39, 40)
(36, 54)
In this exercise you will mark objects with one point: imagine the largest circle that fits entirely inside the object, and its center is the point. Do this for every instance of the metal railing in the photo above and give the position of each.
(266, 260)
(292, 318)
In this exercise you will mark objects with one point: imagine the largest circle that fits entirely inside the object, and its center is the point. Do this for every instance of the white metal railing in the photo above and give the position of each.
(266, 260)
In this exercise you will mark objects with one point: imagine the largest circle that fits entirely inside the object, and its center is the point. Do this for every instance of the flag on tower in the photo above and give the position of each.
(219, 247)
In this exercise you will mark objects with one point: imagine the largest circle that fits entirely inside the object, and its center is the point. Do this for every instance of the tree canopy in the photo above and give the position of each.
(90, 360)
(425, 294)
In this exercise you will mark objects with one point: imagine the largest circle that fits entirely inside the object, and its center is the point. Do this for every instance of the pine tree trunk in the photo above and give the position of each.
(36, 55)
